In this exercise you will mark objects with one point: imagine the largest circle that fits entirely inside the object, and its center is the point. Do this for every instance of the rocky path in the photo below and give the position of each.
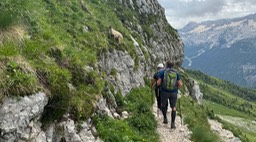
(180, 134)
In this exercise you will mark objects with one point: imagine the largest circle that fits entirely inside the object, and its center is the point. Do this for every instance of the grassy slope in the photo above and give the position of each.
(48, 45)
(229, 106)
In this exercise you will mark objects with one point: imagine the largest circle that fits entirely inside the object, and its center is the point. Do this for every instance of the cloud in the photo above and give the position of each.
(181, 12)
(188, 8)
(244, 1)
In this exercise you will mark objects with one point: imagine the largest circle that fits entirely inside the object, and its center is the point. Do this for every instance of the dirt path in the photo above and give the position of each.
(180, 134)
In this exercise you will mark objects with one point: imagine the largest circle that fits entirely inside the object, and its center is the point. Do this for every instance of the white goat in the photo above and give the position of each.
(117, 35)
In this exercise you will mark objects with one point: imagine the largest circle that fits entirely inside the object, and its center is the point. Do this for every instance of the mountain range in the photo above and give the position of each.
(222, 48)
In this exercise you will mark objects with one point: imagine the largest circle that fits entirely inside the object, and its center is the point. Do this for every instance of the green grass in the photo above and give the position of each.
(245, 134)
(57, 50)
(140, 126)
(196, 118)
(227, 101)
(54, 50)
(223, 110)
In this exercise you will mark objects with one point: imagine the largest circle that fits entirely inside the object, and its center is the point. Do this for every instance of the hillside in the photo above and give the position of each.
(222, 48)
(64, 78)
(232, 105)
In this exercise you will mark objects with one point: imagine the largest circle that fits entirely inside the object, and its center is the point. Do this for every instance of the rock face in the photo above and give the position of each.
(125, 77)
(20, 121)
(19, 117)
(68, 131)
(160, 46)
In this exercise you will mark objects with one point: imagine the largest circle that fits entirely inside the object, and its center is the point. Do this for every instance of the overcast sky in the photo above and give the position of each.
(181, 12)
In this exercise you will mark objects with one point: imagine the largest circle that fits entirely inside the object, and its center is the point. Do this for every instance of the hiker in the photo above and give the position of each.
(157, 87)
(170, 82)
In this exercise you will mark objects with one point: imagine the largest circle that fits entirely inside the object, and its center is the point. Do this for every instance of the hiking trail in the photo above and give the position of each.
(180, 134)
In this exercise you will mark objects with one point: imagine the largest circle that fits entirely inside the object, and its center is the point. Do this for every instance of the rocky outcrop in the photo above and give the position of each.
(19, 117)
(69, 131)
(20, 121)
(165, 42)
(123, 64)
(195, 92)
(160, 46)
(225, 135)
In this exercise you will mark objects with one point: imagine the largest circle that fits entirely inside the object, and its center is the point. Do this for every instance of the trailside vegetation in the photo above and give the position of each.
(196, 117)
(226, 101)
(54, 47)
(141, 124)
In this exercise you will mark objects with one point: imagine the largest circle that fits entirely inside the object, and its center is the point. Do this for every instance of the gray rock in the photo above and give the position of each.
(125, 114)
(17, 115)
(225, 135)
(102, 107)
(126, 77)
(195, 92)
(85, 133)
(116, 115)
(160, 46)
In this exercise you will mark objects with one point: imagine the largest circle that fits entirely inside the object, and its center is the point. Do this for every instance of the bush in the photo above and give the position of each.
(82, 104)
(141, 124)
(107, 129)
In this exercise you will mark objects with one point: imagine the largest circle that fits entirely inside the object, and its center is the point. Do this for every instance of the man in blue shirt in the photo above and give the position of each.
(156, 87)
(172, 95)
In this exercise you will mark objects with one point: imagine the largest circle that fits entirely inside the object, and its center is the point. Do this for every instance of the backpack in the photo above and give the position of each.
(169, 80)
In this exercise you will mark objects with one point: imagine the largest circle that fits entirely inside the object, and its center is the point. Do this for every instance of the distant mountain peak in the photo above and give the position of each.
(226, 44)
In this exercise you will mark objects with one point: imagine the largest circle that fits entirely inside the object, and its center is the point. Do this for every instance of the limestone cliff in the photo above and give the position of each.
(161, 44)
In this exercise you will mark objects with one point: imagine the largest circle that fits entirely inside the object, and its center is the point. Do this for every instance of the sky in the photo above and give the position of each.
(181, 12)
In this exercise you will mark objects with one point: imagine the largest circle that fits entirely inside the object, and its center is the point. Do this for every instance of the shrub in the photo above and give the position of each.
(60, 93)
(140, 126)
(107, 129)
(82, 104)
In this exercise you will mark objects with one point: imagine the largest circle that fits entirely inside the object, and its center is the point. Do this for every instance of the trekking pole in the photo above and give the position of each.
(180, 113)
(152, 90)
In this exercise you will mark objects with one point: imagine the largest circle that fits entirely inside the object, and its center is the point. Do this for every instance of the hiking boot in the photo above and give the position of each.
(173, 125)
(165, 121)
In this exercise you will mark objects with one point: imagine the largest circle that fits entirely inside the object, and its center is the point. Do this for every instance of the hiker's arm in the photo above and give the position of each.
(179, 84)
(159, 82)
(153, 83)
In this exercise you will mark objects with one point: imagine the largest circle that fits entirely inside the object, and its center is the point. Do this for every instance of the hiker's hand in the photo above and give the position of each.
(179, 83)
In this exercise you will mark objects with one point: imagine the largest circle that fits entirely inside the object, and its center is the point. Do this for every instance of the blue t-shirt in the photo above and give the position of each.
(161, 75)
